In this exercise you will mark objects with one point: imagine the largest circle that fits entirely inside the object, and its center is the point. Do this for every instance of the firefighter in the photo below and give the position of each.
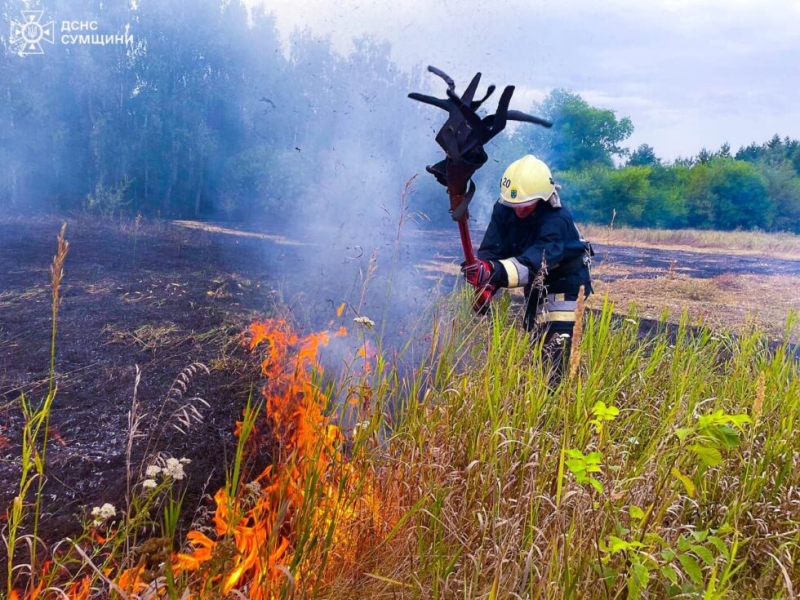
(532, 242)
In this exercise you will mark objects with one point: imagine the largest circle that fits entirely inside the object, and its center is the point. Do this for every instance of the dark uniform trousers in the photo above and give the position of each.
(552, 316)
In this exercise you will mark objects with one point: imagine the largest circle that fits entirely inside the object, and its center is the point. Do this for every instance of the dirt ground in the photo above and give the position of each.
(160, 297)
(165, 296)
(729, 290)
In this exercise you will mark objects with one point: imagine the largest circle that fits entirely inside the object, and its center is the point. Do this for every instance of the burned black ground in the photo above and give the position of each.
(158, 297)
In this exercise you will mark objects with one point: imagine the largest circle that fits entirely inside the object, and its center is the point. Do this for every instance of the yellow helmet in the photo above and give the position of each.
(526, 181)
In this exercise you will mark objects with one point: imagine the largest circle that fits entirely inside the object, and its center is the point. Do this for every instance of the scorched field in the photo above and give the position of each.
(179, 418)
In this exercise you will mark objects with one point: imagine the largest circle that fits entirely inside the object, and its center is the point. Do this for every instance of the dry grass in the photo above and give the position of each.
(206, 227)
(10, 298)
(784, 245)
(494, 510)
(147, 337)
(731, 302)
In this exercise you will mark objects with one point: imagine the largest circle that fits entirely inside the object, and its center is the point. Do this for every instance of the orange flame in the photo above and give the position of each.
(302, 518)
(308, 494)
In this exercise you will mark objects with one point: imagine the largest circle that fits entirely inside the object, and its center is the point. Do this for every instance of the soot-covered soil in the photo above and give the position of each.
(165, 296)
(643, 262)
(159, 297)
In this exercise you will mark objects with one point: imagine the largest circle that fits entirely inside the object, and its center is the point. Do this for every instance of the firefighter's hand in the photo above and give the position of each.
(478, 274)
(482, 300)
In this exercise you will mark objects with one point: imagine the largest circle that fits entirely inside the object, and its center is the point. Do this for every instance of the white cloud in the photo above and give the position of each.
(687, 72)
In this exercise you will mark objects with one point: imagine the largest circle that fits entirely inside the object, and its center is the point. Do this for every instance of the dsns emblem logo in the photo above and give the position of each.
(27, 35)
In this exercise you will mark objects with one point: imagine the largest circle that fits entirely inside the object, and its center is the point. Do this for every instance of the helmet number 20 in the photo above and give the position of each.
(506, 183)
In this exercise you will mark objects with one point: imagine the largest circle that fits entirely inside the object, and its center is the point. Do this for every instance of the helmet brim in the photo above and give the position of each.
(530, 202)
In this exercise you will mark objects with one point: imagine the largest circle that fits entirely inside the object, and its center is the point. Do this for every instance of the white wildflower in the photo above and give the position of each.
(103, 513)
(149, 484)
(185, 461)
(365, 321)
(152, 471)
(174, 469)
(633, 440)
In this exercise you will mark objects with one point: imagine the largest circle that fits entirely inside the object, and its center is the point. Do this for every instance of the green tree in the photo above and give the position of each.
(627, 194)
(795, 160)
(666, 202)
(705, 156)
(783, 190)
(582, 135)
(644, 156)
(584, 192)
(749, 153)
(728, 194)
(688, 161)
(724, 151)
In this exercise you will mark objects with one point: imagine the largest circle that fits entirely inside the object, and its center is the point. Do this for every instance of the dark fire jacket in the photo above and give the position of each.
(548, 234)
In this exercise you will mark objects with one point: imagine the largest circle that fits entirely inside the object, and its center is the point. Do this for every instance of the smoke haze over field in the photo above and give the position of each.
(294, 116)
(200, 114)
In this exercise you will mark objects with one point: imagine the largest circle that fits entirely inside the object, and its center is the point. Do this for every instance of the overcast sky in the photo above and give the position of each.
(688, 73)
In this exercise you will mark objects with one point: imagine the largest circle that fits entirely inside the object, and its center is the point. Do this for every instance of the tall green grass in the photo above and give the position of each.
(35, 437)
(663, 467)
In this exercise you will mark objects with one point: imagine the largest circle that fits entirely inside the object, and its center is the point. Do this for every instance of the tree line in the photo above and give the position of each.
(758, 186)
(209, 113)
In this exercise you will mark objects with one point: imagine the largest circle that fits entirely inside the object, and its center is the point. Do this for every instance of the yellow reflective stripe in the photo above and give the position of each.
(511, 272)
(518, 274)
(556, 307)
(560, 316)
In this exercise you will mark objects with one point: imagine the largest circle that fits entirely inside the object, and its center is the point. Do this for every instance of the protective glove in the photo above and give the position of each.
(482, 300)
(478, 274)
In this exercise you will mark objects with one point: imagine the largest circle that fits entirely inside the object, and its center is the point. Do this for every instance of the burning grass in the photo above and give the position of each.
(660, 467)
(308, 514)
(311, 512)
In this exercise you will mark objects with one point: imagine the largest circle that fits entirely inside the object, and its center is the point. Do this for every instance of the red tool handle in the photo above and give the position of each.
(466, 242)
(483, 296)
